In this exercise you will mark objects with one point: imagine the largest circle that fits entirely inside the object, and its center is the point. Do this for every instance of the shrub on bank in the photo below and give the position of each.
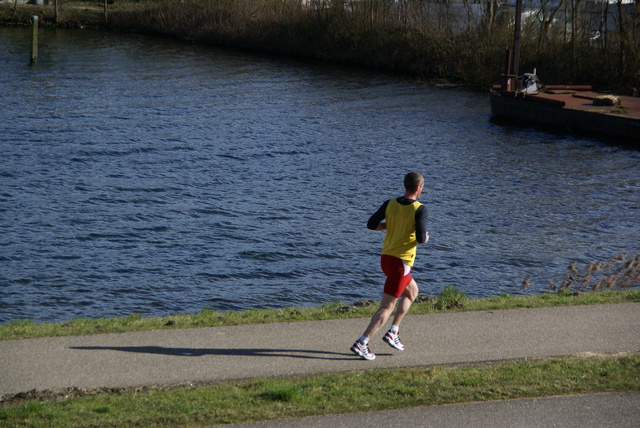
(457, 41)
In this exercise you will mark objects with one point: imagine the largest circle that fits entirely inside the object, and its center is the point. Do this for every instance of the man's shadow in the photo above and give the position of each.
(201, 352)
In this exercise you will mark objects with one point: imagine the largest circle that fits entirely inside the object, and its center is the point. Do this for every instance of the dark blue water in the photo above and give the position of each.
(152, 177)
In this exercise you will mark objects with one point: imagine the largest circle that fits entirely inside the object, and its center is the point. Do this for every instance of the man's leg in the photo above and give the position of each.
(378, 319)
(410, 294)
(361, 346)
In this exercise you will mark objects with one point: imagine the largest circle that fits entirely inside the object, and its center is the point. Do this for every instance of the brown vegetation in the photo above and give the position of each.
(622, 272)
(458, 41)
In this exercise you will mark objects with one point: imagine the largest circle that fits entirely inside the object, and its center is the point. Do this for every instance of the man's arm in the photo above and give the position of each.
(375, 221)
(422, 236)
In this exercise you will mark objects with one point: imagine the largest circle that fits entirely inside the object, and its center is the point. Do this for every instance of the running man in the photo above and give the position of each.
(405, 222)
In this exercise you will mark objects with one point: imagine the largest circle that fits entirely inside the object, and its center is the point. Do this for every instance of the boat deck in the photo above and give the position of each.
(583, 101)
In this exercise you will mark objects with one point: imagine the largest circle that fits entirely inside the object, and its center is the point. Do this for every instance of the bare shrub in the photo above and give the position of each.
(459, 42)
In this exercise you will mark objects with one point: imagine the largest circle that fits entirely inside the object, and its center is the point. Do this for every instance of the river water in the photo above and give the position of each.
(145, 176)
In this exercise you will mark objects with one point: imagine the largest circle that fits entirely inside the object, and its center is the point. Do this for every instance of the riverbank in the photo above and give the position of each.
(449, 300)
(440, 43)
(76, 15)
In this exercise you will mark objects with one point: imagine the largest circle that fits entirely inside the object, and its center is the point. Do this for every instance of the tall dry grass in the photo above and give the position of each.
(458, 40)
(621, 272)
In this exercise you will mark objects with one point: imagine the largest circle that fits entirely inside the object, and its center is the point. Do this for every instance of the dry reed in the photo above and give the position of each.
(456, 41)
(620, 273)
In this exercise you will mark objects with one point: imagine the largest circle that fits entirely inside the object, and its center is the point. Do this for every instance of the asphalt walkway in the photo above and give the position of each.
(620, 410)
(216, 354)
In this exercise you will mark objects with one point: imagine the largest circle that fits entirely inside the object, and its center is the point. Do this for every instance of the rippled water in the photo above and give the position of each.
(141, 175)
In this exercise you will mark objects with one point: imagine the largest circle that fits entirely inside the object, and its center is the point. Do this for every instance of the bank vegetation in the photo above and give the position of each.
(448, 300)
(593, 42)
(616, 280)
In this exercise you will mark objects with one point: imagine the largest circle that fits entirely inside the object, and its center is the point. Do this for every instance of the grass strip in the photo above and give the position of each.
(372, 390)
(447, 301)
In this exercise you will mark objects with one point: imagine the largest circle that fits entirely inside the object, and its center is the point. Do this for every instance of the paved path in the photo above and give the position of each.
(619, 410)
(242, 352)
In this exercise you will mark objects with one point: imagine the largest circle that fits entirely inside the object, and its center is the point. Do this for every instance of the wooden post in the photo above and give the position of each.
(34, 39)
(516, 40)
(106, 12)
(507, 83)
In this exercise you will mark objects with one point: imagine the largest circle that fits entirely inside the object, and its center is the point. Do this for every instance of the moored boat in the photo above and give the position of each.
(576, 108)
(573, 110)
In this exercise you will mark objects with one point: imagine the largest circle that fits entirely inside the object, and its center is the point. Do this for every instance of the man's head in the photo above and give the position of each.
(412, 181)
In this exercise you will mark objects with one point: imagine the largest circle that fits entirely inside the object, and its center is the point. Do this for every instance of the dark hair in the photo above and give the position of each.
(413, 180)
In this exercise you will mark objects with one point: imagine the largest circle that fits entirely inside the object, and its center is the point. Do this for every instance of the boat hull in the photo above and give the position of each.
(569, 115)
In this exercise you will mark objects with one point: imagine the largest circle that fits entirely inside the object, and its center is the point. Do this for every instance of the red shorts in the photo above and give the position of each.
(398, 275)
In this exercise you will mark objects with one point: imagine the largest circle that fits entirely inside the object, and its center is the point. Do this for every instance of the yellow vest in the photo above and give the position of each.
(400, 239)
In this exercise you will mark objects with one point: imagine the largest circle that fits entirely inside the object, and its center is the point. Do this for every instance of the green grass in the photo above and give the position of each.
(331, 394)
(449, 299)
(264, 399)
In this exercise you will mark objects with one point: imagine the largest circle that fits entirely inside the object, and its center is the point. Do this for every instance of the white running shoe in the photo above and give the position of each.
(393, 339)
(362, 351)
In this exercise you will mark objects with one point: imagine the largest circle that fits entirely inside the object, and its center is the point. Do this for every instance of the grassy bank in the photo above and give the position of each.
(265, 399)
(329, 394)
(450, 41)
(448, 300)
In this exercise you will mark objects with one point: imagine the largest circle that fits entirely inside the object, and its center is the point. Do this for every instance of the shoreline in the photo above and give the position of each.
(426, 49)
(85, 19)
(444, 303)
